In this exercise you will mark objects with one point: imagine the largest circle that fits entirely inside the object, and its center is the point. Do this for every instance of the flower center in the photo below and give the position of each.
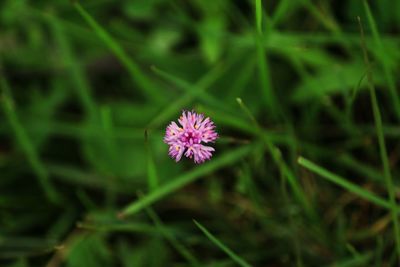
(190, 138)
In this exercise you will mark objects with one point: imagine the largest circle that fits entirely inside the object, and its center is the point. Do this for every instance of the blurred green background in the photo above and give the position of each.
(305, 171)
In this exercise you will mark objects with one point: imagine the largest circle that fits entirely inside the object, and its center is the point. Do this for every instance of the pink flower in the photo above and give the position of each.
(188, 137)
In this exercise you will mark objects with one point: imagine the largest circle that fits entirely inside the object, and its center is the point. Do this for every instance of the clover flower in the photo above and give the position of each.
(188, 137)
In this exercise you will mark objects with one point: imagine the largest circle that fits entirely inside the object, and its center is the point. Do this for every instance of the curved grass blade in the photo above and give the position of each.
(240, 82)
(184, 179)
(76, 72)
(394, 96)
(25, 143)
(371, 197)
(279, 161)
(202, 84)
(327, 21)
(381, 141)
(145, 84)
(188, 88)
(179, 247)
(236, 258)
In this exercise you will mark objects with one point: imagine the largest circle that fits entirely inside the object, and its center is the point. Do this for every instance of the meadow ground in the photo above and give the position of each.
(305, 97)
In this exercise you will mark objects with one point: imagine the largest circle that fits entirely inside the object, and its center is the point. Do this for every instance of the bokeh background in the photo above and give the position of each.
(300, 176)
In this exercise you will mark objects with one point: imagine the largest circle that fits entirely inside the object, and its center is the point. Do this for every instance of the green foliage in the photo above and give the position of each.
(218, 243)
(307, 108)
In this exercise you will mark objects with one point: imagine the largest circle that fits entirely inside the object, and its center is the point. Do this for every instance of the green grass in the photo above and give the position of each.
(264, 74)
(184, 179)
(152, 175)
(136, 73)
(304, 100)
(381, 139)
(344, 183)
(179, 247)
(383, 58)
(25, 144)
(236, 258)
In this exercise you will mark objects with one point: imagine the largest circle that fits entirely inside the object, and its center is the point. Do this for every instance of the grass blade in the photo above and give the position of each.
(25, 143)
(386, 67)
(236, 258)
(110, 146)
(242, 79)
(152, 176)
(326, 21)
(188, 88)
(178, 246)
(336, 179)
(259, 16)
(279, 161)
(382, 145)
(263, 68)
(68, 58)
(137, 75)
(202, 84)
(179, 182)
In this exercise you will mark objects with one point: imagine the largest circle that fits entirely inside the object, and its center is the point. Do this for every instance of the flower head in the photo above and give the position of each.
(187, 137)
